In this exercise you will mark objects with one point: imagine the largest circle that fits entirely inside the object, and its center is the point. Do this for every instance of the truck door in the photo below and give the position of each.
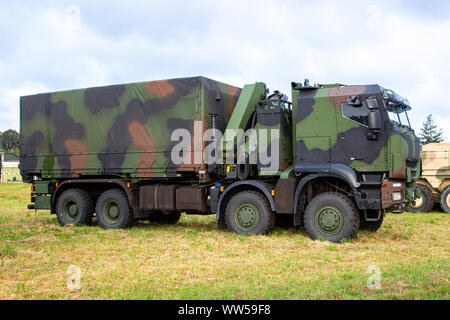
(354, 133)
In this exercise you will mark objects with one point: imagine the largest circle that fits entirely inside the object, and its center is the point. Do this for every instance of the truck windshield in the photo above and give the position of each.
(401, 118)
(397, 108)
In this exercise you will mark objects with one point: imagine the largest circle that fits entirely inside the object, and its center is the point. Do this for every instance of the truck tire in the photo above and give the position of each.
(331, 216)
(74, 206)
(424, 203)
(168, 218)
(249, 213)
(372, 226)
(445, 200)
(113, 210)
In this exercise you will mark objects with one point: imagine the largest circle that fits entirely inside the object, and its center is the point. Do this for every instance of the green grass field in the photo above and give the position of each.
(193, 260)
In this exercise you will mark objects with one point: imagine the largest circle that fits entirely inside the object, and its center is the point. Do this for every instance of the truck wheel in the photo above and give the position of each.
(424, 203)
(74, 206)
(113, 210)
(331, 216)
(445, 200)
(249, 213)
(372, 226)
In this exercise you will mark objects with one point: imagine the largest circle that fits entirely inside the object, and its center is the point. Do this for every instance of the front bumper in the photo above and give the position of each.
(396, 195)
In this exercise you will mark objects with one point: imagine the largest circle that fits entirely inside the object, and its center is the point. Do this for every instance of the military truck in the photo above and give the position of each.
(334, 160)
(434, 183)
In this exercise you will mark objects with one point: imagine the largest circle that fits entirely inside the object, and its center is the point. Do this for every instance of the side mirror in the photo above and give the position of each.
(374, 124)
(375, 120)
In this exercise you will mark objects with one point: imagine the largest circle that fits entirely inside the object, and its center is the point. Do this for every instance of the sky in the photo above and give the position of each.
(56, 45)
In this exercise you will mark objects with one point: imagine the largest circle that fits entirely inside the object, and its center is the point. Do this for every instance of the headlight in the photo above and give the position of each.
(396, 196)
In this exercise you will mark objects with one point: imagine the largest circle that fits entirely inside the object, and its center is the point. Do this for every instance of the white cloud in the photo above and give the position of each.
(10, 99)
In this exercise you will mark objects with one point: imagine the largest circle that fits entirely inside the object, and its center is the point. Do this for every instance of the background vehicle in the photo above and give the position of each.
(109, 151)
(434, 183)
(9, 167)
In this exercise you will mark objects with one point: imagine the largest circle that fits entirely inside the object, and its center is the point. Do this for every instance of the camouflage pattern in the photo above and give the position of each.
(120, 130)
(268, 139)
(436, 167)
(276, 121)
(324, 135)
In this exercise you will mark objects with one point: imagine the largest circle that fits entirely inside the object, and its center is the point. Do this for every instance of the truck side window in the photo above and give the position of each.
(358, 114)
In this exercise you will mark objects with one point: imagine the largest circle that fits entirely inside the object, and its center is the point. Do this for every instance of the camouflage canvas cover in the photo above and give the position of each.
(119, 130)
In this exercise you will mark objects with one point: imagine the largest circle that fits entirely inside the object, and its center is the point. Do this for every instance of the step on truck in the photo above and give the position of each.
(434, 182)
(335, 159)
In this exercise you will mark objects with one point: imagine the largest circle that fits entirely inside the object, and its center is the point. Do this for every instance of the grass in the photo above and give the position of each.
(193, 260)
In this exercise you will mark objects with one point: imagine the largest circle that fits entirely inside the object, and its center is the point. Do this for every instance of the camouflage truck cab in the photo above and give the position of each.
(346, 141)
(434, 183)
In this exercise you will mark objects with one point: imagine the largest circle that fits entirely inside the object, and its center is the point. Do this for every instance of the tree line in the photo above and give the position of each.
(10, 141)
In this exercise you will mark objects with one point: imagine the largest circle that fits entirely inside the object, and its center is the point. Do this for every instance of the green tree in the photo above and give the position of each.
(430, 132)
(10, 140)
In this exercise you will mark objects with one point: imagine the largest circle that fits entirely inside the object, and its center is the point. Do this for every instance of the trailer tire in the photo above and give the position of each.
(425, 203)
(445, 200)
(248, 213)
(332, 217)
(74, 206)
(113, 210)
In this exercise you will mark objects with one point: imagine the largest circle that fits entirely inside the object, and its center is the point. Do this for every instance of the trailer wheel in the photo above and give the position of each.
(74, 206)
(445, 200)
(249, 213)
(331, 216)
(113, 210)
(425, 203)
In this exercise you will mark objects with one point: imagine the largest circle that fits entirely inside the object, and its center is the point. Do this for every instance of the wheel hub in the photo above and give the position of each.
(111, 212)
(329, 221)
(114, 211)
(247, 217)
(70, 211)
(73, 210)
(448, 200)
